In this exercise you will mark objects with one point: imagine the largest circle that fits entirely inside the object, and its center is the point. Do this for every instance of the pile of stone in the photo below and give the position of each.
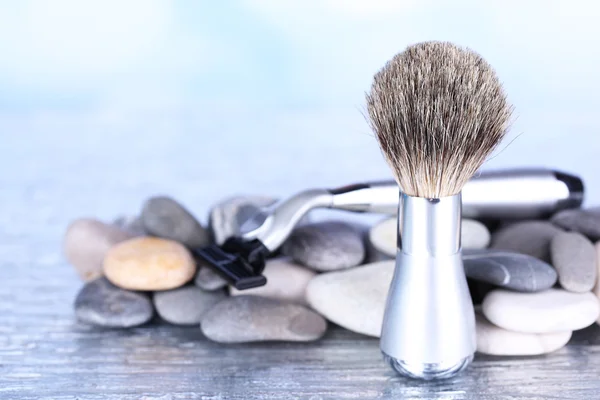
(533, 282)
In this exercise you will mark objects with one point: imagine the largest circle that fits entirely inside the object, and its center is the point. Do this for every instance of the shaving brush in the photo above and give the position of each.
(438, 111)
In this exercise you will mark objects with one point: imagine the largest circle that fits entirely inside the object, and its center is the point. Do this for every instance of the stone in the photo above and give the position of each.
(207, 279)
(227, 217)
(130, 223)
(596, 289)
(149, 263)
(355, 298)
(553, 310)
(383, 235)
(185, 305)
(86, 243)
(286, 281)
(586, 222)
(374, 254)
(474, 234)
(243, 319)
(509, 270)
(574, 257)
(103, 304)
(326, 246)
(496, 341)
(527, 237)
(164, 217)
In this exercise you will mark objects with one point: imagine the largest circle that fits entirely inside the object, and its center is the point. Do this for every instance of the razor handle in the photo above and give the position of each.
(503, 194)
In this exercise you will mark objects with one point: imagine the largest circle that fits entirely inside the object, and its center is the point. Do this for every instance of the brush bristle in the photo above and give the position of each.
(438, 111)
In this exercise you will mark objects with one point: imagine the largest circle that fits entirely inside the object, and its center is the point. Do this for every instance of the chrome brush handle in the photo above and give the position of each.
(428, 329)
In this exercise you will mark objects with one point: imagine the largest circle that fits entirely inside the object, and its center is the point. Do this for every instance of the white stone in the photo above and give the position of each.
(553, 310)
(286, 281)
(597, 287)
(474, 234)
(355, 298)
(383, 235)
(496, 341)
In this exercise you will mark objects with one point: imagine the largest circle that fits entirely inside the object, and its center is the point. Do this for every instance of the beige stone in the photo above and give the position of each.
(86, 243)
(149, 263)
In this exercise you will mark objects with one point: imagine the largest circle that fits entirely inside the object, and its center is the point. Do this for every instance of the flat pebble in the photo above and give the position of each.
(227, 217)
(242, 319)
(374, 254)
(208, 279)
(553, 310)
(509, 270)
(326, 246)
(166, 218)
(103, 304)
(383, 235)
(286, 281)
(596, 289)
(501, 342)
(130, 223)
(87, 241)
(355, 298)
(528, 237)
(574, 257)
(474, 234)
(185, 305)
(586, 222)
(149, 263)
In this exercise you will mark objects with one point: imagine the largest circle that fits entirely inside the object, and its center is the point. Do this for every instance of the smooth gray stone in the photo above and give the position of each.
(528, 237)
(509, 270)
(574, 257)
(242, 319)
(586, 222)
(185, 305)
(208, 279)
(130, 223)
(101, 303)
(326, 246)
(227, 217)
(166, 218)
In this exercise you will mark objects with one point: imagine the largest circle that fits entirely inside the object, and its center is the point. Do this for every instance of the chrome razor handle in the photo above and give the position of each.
(503, 194)
(522, 193)
(428, 330)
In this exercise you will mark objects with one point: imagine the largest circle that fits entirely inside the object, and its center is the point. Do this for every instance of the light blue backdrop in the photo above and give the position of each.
(103, 103)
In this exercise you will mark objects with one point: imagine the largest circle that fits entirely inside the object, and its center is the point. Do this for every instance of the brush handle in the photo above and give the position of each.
(428, 328)
(505, 194)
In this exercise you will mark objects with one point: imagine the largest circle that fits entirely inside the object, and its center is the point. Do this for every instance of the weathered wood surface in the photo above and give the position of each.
(46, 354)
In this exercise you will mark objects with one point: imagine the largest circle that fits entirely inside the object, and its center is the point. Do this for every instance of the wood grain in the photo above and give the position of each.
(46, 354)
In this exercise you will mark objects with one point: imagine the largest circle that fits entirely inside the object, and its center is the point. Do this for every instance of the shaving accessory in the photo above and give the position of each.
(496, 194)
(438, 111)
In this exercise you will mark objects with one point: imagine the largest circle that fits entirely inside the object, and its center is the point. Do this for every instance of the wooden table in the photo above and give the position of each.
(46, 354)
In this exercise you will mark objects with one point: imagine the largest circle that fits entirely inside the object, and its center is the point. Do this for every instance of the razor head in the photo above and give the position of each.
(240, 262)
